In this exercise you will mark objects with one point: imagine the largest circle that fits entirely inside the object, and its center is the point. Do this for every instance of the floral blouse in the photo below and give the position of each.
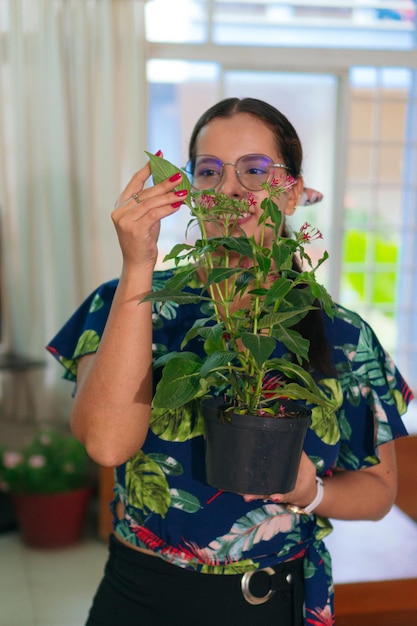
(169, 507)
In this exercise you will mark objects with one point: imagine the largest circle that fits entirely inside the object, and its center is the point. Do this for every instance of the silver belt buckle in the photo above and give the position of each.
(248, 595)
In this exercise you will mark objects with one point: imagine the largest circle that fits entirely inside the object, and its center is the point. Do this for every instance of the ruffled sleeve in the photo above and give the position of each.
(375, 397)
(82, 332)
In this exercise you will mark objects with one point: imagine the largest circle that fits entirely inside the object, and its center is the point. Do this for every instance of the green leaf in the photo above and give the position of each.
(181, 278)
(162, 169)
(213, 336)
(264, 263)
(295, 343)
(218, 274)
(195, 330)
(178, 424)
(241, 245)
(169, 465)
(217, 360)
(184, 501)
(293, 371)
(167, 356)
(324, 424)
(172, 295)
(179, 384)
(87, 343)
(282, 255)
(177, 250)
(96, 303)
(260, 346)
(147, 485)
(278, 290)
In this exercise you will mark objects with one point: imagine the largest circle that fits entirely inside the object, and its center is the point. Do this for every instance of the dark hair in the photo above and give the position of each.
(289, 145)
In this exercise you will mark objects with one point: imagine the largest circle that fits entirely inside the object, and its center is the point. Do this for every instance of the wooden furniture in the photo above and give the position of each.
(406, 448)
(383, 603)
(105, 495)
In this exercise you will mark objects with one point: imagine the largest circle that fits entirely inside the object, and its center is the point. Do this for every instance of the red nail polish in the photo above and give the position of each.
(175, 205)
(159, 153)
(181, 193)
(175, 177)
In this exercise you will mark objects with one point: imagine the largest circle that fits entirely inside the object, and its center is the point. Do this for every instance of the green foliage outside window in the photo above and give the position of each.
(370, 252)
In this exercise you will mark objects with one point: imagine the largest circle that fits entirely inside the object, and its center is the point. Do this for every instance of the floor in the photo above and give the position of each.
(55, 587)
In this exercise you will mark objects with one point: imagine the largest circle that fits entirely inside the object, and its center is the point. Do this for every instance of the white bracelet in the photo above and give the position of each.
(319, 497)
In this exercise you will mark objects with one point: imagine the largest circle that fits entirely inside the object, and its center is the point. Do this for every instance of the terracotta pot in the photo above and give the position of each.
(252, 454)
(52, 520)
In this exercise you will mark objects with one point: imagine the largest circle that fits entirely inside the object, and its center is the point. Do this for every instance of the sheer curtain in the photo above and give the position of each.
(72, 132)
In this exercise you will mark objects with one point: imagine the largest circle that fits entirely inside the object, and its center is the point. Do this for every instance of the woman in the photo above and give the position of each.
(211, 562)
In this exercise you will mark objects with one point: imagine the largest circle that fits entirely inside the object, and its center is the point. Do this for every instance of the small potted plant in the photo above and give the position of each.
(247, 392)
(49, 484)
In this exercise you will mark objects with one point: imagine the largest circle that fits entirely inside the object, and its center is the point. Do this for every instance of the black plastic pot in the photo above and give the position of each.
(252, 454)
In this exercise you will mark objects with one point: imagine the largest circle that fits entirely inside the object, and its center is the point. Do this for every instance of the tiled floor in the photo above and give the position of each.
(48, 587)
(55, 587)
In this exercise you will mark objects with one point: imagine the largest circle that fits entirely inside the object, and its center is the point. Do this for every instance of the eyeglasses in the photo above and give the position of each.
(252, 170)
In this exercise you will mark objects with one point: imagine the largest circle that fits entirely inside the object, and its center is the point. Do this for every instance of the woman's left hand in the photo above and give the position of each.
(305, 489)
(364, 494)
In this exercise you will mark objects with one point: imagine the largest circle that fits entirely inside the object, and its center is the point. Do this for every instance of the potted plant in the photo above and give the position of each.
(256, 392)
(49, 484)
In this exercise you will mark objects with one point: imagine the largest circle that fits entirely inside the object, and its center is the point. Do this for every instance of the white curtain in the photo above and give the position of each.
(72, 132)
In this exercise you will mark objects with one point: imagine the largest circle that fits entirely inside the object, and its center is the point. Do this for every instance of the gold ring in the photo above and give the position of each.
(136, 198)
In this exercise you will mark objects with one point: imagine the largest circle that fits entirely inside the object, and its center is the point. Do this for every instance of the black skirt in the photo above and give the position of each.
(143, 590)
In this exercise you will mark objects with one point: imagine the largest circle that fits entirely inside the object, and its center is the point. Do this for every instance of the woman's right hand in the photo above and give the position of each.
(137, 221)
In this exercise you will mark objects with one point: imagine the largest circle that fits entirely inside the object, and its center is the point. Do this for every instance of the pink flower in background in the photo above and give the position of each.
(45, 439)
(12, 459)
(37, 461)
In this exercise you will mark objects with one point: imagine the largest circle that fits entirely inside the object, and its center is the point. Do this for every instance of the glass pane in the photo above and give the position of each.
(354, 247)
(392, 120)
(178, 93)
(390, 164)
(383, 288)
(361, 119)
(359, 167)
(388, 205)
(179, 21)
(334, 23)
(312, 24)
(353, 289)
(358, 201)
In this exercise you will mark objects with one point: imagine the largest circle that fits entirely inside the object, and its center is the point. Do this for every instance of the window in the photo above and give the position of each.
(352, 107)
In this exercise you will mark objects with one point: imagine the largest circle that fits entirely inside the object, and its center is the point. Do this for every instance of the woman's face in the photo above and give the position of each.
(228, 139)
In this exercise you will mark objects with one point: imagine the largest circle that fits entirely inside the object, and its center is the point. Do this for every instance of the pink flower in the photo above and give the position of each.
(286, 185)
(12, 459)
(206, 201)
(251, 199)
(45, 439)
(309, 233)
(36, 461)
